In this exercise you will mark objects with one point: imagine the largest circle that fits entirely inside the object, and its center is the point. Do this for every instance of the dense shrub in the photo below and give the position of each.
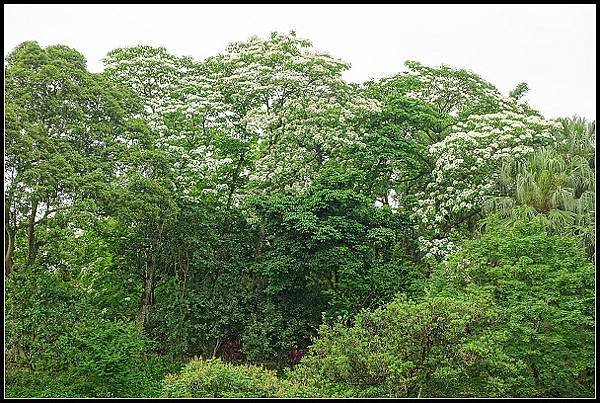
(213, 378)
(53, 333)
(401, 350)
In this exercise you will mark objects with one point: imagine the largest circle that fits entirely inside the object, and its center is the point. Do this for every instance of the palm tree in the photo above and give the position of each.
(557, 184)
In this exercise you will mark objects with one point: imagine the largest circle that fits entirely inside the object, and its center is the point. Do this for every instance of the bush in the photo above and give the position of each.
(24, 383)
(213, 378)
(60, 345)
(406, 349)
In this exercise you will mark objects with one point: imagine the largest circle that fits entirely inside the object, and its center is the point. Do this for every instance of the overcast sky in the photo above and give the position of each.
(551, 47)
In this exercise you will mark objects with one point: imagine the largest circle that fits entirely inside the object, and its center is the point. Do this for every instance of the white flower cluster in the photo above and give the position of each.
(437, 248)
(300, 109)
(466, 166)
(450, 90)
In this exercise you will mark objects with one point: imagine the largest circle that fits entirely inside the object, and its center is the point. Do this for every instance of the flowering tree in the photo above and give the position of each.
(292, 102)
(456, 133)
(270, 110)
(466, 169)
(179, 105)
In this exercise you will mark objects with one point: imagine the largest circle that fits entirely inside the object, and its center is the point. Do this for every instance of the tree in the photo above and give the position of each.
(434, 142)
(557, 183)
(466, 168)
(144, 205)
(511, 314)
(180, 106)
(543, 290)
(330, 251)
(291, 107)
(62, 123)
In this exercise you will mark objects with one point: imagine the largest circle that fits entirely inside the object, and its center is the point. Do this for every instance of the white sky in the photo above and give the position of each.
(551, 47)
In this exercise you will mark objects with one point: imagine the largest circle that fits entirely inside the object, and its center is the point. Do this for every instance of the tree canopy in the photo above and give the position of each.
(254, 225)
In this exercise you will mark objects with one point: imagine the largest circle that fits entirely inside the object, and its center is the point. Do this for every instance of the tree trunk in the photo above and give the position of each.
(259, 241)
(214, 353)
(185, 269)
(9, 244)
(149, 279)
(148, 290)
(8, 253)
(32, 247)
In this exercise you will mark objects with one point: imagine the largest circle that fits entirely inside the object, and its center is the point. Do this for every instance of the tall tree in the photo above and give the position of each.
(443, 134)
(290, 105)
(62, 123)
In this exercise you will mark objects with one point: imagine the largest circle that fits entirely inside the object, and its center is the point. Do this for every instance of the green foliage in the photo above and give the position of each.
(406, 349)
(510, 315)
(334, 240)
(63, 125)
(543, 289)
(520, 90)
(556, 185)
(213, 378)
(52, 329)
(258, 209)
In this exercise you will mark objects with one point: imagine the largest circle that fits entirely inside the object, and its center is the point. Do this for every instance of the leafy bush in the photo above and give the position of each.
(24, 383)
(213, 378)
(53, 332)
(401, 350)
